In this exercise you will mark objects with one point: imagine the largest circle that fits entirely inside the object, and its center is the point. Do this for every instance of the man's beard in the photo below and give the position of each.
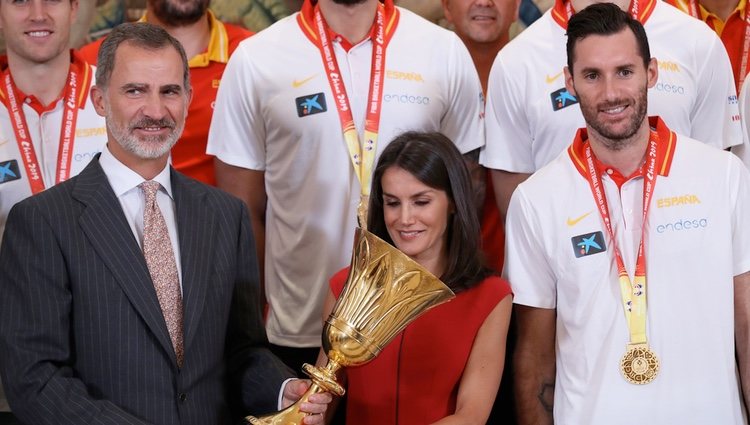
(616, 140)
(149, 147)
(349, 2)
(174, 13)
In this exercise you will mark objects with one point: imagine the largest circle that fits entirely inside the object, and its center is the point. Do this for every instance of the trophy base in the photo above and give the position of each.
(289, 416)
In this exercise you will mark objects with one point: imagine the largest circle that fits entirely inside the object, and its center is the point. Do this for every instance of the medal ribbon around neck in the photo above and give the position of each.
(633, 293)
(23, 138)
(695, 13)
(361, 154)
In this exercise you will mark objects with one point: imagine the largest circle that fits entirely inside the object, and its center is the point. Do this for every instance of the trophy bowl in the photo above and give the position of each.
(384, 292)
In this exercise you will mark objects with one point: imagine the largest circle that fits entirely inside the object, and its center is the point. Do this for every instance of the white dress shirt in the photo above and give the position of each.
(124, 183)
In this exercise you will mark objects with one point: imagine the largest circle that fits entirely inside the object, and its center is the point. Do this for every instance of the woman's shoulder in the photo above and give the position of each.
(492, 289)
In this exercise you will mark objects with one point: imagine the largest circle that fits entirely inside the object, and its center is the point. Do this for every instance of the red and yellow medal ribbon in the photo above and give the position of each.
(23, 138)
(361, 153)
(633, 293)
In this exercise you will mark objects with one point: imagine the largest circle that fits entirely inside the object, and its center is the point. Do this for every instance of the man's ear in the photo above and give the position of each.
(516, 10)
(652, 70)
(73, 11)
(97, 98)
(446, 11)
(569, 81)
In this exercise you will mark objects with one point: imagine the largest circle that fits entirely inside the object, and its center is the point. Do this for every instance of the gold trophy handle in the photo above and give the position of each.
(324, 380)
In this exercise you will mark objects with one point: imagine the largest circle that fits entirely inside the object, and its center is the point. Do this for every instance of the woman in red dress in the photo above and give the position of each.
(445, 367)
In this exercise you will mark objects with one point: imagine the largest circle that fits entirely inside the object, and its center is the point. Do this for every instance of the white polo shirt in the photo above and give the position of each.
(430, 85)
(530, 120)
(44, 126)
(697, 240)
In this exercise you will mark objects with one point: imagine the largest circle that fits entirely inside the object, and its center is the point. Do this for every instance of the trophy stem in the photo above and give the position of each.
(324, 380)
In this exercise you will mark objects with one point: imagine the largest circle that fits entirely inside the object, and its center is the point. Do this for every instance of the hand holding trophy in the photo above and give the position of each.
(385, 291)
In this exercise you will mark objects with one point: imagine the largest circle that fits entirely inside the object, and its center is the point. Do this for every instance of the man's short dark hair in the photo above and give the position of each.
(139, 34)
(604, 19)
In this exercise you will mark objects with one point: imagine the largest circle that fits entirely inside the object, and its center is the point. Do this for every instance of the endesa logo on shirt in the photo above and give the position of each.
(682, 225)
(562, 98)
(670, 88)
(9, 171)
(405, 98)
(588, 244)
(311, 104)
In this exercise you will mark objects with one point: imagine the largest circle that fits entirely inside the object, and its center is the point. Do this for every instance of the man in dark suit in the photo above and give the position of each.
(129, 294)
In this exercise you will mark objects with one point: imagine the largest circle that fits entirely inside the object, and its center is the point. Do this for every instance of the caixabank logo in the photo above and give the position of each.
(311, 104)
(9, 171)
(561, 99)
(588, 244)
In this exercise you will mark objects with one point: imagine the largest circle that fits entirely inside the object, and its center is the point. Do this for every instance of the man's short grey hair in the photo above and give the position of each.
(139, 34)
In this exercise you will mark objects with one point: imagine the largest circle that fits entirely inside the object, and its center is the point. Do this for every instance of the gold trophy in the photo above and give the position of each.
(385, 291)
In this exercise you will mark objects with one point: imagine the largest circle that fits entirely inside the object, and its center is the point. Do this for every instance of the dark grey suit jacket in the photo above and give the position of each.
(82, 337)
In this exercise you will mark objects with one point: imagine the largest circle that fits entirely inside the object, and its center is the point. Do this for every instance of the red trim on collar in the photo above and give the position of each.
(306, 21)
(76, 62)
(560, 13)
(665, 152)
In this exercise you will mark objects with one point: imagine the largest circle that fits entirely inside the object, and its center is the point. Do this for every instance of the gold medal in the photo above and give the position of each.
(639, 365)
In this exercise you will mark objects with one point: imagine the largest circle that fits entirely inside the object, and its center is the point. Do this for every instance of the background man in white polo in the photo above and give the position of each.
(531, 116)
(669, 277)
(48, 85)
(277, 131)
(484, 27)
(56, 130)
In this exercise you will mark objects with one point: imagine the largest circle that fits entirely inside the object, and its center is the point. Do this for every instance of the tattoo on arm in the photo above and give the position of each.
(546, 395)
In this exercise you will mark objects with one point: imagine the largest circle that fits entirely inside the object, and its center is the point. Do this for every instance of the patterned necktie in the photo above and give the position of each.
(157, 249)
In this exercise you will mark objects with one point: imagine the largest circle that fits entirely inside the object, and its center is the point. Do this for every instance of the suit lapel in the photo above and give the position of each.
(104, 224)
(195, 226)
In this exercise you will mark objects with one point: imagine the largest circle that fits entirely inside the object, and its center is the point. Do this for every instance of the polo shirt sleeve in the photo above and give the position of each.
(509, 140)
(527, 266)
(237, 133)
(715, 116)
(739, 178)
(462, 121)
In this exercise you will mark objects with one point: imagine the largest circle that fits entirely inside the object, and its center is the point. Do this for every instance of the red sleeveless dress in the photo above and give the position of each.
(415, 378)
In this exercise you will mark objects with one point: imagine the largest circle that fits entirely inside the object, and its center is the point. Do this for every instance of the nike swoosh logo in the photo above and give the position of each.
(573, 221)
(552, 79)
(300, 83)
(3, 142)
